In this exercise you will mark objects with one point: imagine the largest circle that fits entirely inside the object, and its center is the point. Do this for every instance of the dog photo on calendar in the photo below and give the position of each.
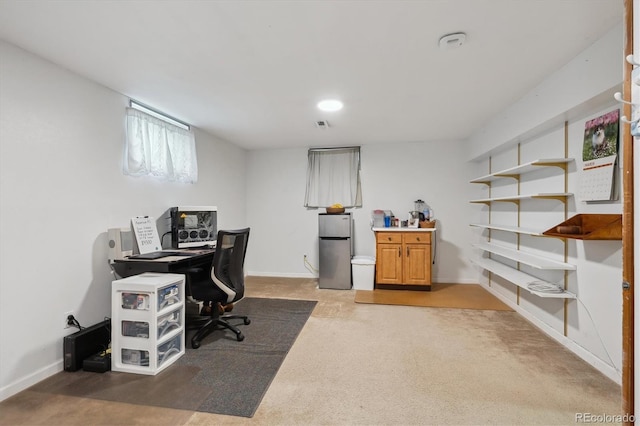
(601, 136)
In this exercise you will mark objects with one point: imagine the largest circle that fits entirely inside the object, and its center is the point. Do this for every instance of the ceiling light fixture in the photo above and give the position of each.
(330, 105)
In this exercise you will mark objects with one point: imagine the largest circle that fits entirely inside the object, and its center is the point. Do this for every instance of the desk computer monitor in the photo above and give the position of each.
(193, 226)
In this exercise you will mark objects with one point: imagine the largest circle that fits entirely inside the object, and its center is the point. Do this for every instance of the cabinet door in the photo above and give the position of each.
(389, 264)
(417, 264)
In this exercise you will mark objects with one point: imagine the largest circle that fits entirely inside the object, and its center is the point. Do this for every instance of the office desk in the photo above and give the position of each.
(202, 258)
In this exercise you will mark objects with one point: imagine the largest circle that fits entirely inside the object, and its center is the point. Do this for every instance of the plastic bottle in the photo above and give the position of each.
(428, 213)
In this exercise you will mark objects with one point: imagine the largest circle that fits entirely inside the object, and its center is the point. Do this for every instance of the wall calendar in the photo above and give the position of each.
(599, 158)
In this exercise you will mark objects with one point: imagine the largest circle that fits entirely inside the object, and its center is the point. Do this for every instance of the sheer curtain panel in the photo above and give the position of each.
(333, 176)
(157, 148)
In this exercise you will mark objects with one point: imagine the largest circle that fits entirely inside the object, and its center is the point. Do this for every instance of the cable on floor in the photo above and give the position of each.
(546, 287)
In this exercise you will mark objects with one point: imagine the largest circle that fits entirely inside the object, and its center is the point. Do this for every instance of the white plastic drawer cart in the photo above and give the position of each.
(147, 317)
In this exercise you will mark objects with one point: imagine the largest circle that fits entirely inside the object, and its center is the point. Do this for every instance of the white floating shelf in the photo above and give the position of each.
(562, 196)
(516, 229)
(520, 278)
(525, 258)
(515, 172)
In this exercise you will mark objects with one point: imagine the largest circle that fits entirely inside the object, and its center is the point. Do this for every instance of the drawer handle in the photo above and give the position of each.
(418, 238)
(399, 252)
(389, 238)
(407, 251)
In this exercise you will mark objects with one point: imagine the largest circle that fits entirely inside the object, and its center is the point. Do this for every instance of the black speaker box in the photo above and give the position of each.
(84, 343)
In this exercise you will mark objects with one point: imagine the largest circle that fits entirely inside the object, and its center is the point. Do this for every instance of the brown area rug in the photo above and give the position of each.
(461, 296)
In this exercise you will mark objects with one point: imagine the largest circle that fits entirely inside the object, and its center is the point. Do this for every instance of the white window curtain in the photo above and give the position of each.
(333, 176)
(157, 148)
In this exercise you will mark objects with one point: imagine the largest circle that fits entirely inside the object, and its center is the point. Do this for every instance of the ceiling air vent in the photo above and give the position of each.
(322, 124)
(452, 41)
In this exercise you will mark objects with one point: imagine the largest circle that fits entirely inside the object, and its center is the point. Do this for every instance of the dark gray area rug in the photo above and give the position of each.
(223, 376)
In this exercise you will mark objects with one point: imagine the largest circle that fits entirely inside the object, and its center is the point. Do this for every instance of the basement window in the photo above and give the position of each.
(333, 176)
(158, 145)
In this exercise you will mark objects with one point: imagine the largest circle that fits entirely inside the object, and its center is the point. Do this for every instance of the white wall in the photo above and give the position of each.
(583, 84)
(394, 175)
(61, 139)
(578, 92)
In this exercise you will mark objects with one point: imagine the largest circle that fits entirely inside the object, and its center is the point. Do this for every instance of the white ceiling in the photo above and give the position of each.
(251, 72)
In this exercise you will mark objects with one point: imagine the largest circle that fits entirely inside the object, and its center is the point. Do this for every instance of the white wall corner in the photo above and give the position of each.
(591, 77)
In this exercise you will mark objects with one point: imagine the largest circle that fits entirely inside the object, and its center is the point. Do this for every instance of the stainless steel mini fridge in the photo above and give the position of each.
(336, 249)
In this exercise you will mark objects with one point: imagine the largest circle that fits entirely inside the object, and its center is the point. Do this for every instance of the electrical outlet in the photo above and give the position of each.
(67, 323)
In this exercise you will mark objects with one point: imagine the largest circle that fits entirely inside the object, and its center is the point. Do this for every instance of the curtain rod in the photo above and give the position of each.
(158, 114)
(334, 149)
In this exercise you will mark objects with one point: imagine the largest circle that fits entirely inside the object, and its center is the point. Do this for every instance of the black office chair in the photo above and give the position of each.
(225, 284)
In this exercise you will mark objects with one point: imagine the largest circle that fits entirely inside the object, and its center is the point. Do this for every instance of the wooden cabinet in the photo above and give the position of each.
(388, 258)
(417, 265)
(404, 259)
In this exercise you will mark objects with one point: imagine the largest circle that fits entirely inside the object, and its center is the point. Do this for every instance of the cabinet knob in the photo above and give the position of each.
(389, 238)
(418, 238)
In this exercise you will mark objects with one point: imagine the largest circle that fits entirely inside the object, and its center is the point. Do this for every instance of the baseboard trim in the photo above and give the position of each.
(439, 280)
(409, 287)
(281, 274)
(30, 380)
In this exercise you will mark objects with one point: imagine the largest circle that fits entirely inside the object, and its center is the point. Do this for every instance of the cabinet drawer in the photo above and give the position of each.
(417, 238)
(389, 238)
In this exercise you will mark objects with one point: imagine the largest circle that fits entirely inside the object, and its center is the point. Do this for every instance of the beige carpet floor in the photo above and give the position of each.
(461, 296)
(367, 364)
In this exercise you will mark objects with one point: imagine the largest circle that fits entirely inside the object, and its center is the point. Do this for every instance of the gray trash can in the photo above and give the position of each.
(363, 271)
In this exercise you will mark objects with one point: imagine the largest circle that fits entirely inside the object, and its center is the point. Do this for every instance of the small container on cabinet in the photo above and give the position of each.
(147, 317)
